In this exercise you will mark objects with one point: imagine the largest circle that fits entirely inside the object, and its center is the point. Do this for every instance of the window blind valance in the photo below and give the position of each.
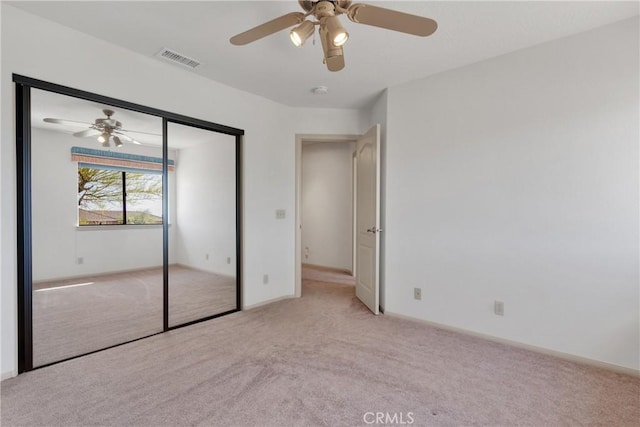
(110, 159)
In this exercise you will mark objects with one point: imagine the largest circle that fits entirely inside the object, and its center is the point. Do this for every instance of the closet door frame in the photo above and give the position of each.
(23, 86)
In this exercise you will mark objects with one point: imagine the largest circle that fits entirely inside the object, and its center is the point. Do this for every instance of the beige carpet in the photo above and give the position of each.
(324, 274)
(77, 316)
(322, 359)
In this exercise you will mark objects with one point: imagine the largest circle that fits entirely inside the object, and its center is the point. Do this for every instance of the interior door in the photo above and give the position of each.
(368, 218)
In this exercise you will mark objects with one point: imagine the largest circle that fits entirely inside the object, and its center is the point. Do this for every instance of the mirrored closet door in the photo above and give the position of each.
(128, 221)
(97, 226)
(202, 224)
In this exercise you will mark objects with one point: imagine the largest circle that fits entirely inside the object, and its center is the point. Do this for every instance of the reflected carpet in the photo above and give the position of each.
(77, 316)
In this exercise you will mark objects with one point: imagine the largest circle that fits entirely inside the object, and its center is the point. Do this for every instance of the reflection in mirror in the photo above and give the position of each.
(97, 226)
(202, 236)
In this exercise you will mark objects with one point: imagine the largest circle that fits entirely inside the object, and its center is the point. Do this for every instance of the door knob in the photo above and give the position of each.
(374, 230)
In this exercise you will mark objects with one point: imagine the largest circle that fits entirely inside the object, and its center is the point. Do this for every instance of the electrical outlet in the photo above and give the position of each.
(281, 214)
(80, 260)
(417, 293)
(498, 308)
(265, 279)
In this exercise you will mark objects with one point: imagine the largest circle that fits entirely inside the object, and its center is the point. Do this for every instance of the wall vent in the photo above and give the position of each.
(173, 56)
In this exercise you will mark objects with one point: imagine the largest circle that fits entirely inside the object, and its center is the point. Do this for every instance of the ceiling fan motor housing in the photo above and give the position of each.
(324, 9)
(309, 5)
(107, 124)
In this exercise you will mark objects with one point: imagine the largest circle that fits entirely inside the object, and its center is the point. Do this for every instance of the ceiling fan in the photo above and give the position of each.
(105, 128)
(332, 35)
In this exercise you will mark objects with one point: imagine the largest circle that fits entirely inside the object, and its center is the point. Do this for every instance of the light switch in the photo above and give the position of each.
(280, 214)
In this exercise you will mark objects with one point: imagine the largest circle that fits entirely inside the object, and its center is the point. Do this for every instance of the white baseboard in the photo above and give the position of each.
(7, 375)
(271, 301)
(536, 349)
(330, 269)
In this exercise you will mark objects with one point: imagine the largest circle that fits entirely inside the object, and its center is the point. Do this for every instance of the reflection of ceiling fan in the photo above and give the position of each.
(104, 128)
(332, 35)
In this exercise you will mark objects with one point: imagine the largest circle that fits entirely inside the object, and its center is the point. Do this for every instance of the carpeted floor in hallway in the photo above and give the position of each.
(322, 359)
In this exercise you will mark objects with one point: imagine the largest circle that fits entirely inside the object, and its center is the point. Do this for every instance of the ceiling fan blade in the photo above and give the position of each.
(333, 56)
(127, 137)
(137, 131)
(392, 20)
(86, 133)
(66, 122)
(273, 26)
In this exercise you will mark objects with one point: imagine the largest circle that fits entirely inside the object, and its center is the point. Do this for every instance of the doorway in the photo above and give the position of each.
(327, 205)
(365, 211)
(318, 255)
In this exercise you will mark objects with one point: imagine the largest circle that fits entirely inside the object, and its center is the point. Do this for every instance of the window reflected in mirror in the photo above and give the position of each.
(107, 197)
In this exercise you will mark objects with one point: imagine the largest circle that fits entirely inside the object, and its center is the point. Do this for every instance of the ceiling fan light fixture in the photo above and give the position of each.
(334, 51)
(106, 143)
(301, 33)
(104, 137)
(340, 39)
(117, 142)
(337, 34)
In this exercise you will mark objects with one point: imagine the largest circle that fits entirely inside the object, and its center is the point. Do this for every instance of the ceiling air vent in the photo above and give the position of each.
(173, 56)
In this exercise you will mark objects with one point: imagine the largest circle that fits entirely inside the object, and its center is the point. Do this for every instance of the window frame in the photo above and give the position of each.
(123, 189)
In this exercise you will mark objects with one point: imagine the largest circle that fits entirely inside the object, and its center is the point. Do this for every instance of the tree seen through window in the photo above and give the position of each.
(112, 197)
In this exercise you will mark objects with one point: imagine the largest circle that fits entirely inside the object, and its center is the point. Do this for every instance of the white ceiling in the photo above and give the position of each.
(272, 67)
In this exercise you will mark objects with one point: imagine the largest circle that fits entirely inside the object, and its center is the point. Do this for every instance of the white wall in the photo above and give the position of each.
(31, 46)
(327, 121)
(516, 179)
(327, 199)
(206, 205)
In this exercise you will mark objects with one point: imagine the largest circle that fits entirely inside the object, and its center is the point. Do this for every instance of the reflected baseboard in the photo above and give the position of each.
(42, 283)
(177, 264)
